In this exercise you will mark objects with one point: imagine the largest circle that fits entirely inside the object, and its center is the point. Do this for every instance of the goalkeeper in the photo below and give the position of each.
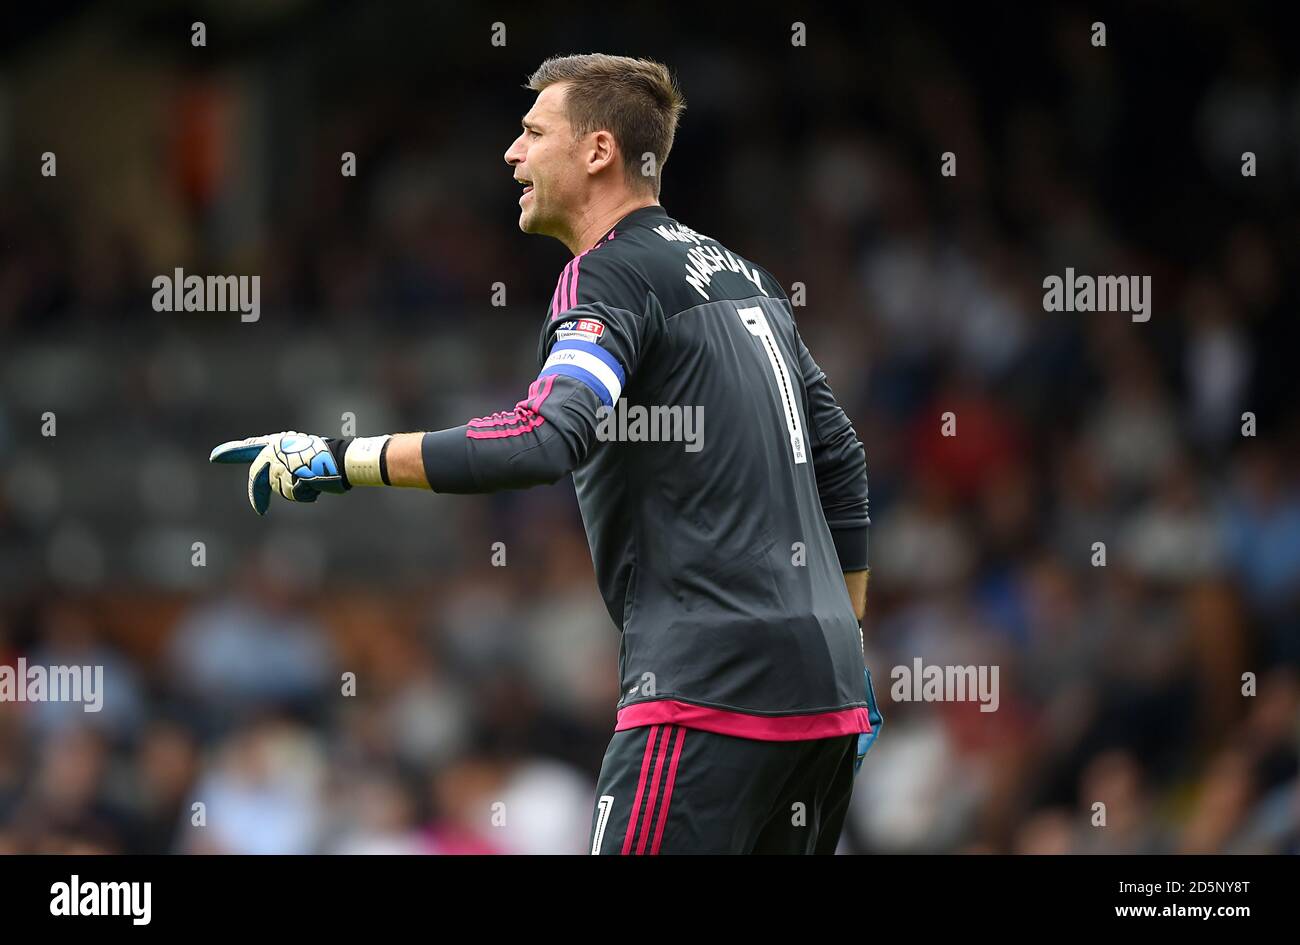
(737, 572)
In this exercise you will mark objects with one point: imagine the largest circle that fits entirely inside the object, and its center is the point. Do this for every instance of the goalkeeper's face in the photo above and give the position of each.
(547, 162)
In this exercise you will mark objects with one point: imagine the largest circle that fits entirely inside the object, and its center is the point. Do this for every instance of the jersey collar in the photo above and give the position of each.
(637, 216)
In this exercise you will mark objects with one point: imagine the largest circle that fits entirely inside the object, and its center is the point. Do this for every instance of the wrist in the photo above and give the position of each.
(364, 460)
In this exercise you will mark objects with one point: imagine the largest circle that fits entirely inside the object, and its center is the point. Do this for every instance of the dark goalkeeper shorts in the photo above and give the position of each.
(669, 789)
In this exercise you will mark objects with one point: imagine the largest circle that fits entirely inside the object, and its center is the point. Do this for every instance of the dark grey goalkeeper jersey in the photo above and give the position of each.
(723, 489)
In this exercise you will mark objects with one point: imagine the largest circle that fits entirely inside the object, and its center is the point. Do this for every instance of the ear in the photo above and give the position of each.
(603, 151)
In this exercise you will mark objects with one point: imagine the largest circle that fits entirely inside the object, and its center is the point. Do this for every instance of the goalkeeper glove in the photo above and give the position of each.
(300, 466)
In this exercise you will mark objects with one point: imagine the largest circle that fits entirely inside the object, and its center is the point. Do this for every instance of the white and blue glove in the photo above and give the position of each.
(298, 466)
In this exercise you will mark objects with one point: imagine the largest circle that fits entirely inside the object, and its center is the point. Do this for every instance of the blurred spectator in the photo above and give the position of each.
(259, 648)
(260, 793)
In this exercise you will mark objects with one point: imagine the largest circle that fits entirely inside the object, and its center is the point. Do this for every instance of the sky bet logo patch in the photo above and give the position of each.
(583, 329)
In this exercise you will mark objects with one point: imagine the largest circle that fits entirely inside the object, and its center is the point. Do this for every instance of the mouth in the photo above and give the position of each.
(528, 186)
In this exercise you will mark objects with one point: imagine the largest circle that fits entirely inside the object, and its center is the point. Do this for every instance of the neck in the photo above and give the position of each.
(597, 219)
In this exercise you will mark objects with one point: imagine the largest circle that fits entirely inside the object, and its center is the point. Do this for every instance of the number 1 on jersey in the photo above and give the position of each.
(756, 322)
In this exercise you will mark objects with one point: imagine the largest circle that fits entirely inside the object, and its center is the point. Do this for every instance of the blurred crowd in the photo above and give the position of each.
(1115, 524)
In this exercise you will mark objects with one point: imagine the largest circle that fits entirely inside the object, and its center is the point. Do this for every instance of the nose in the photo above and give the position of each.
(515, 153)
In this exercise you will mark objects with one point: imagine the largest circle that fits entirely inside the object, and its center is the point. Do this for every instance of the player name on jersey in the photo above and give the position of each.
(705, 258)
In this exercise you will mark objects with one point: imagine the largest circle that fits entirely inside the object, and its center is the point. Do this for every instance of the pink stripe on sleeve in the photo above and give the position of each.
(524, 418)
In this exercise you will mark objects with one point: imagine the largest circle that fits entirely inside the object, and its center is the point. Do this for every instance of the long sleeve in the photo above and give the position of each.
(840, 462)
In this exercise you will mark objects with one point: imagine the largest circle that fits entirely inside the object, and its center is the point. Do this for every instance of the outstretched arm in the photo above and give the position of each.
(587, 353)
